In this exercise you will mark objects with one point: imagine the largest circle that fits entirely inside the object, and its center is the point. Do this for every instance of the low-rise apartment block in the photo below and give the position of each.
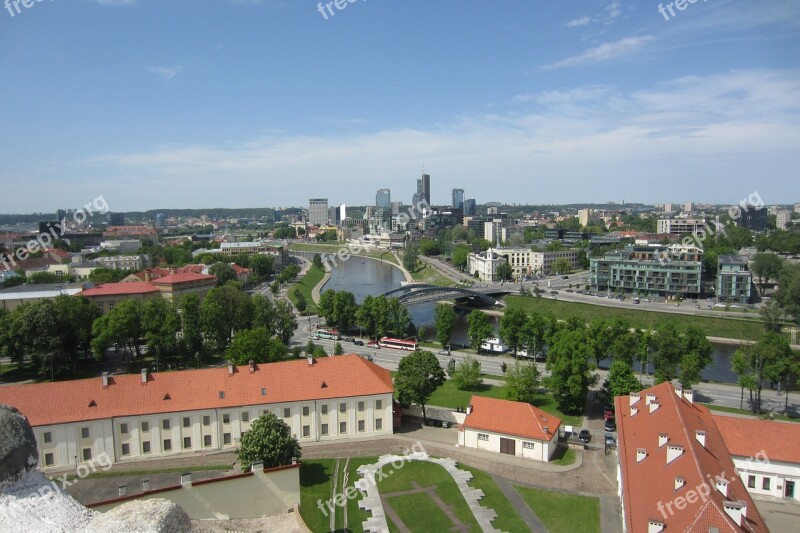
(734, 279)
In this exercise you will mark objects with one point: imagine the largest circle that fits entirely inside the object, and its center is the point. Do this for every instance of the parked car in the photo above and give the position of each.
(610, 424)
(553, 292)
(608, 413)
(358, 342)
(443, 352)
(610, 440)
(584, 436)
(373, 344)
(350, 339)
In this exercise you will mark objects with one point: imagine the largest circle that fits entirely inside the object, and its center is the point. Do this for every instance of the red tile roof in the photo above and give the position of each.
(746, 437)
(511, 418)
(189, 390)
(120, 289)
(183, 277)
(649, 485)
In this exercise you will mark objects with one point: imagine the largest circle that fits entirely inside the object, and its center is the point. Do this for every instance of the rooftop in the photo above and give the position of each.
(117, 289)
(747, 437)
(511, 418)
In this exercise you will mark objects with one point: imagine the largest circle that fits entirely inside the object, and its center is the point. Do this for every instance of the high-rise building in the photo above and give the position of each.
(687, 207)
(342, 212)
(423, 190)
(470, 207)
(161, 220)
(458, 198)
(396, 208)
(783, 219)
(318, 211)
(383, 198)
(668, 208)
(116, 219)
(585, 216)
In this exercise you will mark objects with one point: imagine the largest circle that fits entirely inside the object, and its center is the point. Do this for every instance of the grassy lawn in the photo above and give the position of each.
(306, 285)
(356, 516)
(428, 275)
(732, 328)
(507, 517)
(563, 513)
(315, 485)
(333, 248)
(418, 511)
(564, 456)
(725, 409)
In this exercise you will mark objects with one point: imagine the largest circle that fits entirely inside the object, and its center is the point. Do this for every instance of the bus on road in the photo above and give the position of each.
(328, 334)
(398, 344)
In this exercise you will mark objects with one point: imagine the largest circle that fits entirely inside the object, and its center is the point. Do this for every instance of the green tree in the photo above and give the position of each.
(764, 362)
(285, 321)
(161, 324)
(534, 333)
(191, 325)
(522, 383)
(257, 345)
(621, 379)
(468, 374)
(270, 441)
(317, 261)
(504, 272)
(444, 318)
(262, 265)
(562, 266)
(429, 247)
(788, 296)
(697, 354)
(121, 326)
(766, 267)
(224, 311)
(337, 349)
(410, 257)
(224, 273)
(568, 362)
(512, 328)
(300, 300)
(460, 256)
(263, 313)
(418, 375)
(479, 328)
(667, 352)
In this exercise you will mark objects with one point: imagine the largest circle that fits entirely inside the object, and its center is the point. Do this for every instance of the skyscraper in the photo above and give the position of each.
(423, 190)
(458, 199)
(470, 207)
(383, 198)
(318, 211)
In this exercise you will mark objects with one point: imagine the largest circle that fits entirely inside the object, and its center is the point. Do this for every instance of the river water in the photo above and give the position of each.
(372, 277)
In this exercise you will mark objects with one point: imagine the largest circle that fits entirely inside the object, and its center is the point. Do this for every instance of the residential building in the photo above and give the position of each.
(14, 297)
(458, 199)
(680, 225)
(318, 211)
(752, 217)
(667, 208)
(494, 230)
(122, 246)
(511, 428)
(279, 252)
(174, 286)
(136, 417)
(122, 262)
(484, 265)
(734, 279)
(797, 208)
(765, 454)
(585, 216)
(687, 207)
(383, 199)
(527, 262)
(675, 472)
(783, 219)
(109, 295)
(664, 271)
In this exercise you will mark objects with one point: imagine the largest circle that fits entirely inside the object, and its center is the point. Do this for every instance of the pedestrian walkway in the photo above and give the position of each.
(524, 510)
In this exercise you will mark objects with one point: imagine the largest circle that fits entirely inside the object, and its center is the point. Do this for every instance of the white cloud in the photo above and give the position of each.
(582, 21)
(165, 73)
(605, 52)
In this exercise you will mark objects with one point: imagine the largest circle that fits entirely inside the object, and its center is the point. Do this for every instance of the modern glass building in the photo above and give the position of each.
(734, 279)
(458, 198)
(383, 199)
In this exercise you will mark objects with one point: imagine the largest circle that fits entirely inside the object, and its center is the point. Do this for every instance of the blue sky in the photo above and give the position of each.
(247, 103)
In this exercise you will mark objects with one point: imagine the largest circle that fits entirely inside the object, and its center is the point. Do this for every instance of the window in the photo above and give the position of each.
(87, 454)
(84, 433)
(263, 392)
(226, 438)
(126, 449)
(378, 423)
(324, 429)
(378, 404)
(187, 422)
(206, 420)
(245, 416)
(361, 425)
(48, 437)
(221, 394)
(287, 412)
(342, 427)
(146, 446)
(187, 443)
(360, 406)
(528, 445)
(49, 459)
(306, 431)
(145, 427)
(226, 419)
(483, 436)
(765, 483)
(751, 482)
(324, 409)
(342, 407)
(123, 429)
(206, 440)
(305, 411)
(167, 445)
(165, 425)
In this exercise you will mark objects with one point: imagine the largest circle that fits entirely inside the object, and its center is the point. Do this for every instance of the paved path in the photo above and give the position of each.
(524, 510)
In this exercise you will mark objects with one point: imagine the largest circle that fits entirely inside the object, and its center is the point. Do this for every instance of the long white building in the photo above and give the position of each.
(140, 416)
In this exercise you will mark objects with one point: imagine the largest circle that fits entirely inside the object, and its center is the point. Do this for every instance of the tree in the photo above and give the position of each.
(429, 247)
(410, 257)
(468, 374)
(285, 321)
(504, 272)
(522, 383)
(512, 326)
(697, 354)
(621, 379)
(263, 313)
(667, 351)
(764, 362)
(269, 440)
(479, 328)
(460, 256)
(788, 296)
(451, 367)
(570, 370)
(337, 349)
(562, 266)
(766, 267)
(225, 310)
(262, 265)
(772, 313)
(161, 325)
(534, 333)
(224, 273)
(317, 261)
(257, 345)
(418, 375)
(121, 326)
(300, 300)
(191, 326)
(444, 318)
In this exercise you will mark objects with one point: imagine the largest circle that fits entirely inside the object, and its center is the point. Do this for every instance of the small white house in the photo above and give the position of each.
(512, 428)
(494, 345)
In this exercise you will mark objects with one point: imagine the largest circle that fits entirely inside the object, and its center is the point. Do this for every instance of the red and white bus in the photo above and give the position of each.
(398, 344)
(328, 334)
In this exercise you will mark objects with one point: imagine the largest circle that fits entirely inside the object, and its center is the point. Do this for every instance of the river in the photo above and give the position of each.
(372, 277)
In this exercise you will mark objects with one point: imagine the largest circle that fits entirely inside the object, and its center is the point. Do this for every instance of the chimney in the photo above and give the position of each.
(654, 407)
(641, 453)
(679, 483)
(186, 478)
(634, 410)
(673, 452)
(122, 489)
(722, 485)
(105, 380)
(650, 398)
(662, 439)
(655, 526)
(230, 368)
(144, 375)
(546, 430)
(145, 485)
(310, 360)
(469, 409)
(689, 395)
(635, 397)
(173, 270)
(736, 511)
(252, 366)
(147, 277)
(700, 435)
(679, 391)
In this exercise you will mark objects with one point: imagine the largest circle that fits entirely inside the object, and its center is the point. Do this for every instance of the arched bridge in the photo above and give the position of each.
(422, 292)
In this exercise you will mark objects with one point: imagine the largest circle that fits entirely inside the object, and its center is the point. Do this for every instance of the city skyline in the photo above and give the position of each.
(563, 103)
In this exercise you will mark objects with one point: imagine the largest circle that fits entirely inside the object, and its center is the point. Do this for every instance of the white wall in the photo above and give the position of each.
(541, 450)
(777, 472)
